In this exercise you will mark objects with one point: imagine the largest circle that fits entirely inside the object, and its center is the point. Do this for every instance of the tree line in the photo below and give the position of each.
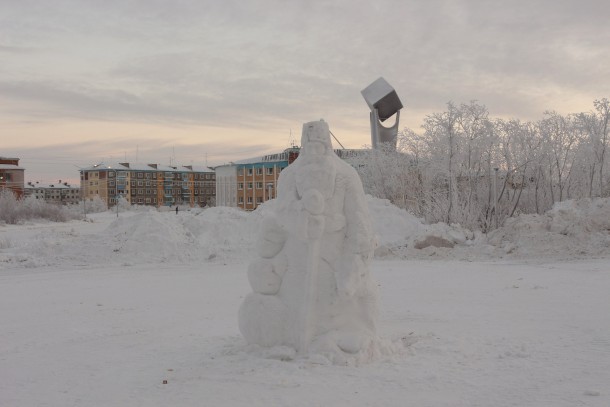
(466, 167)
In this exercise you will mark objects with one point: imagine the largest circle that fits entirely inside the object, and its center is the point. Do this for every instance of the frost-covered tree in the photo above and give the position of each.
(594, 129)
(13, 210)
(448, 171)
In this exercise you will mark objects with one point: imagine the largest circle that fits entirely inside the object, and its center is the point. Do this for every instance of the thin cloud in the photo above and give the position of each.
(271, 65)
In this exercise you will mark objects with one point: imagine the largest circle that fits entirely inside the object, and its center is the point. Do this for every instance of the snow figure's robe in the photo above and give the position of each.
(312, 290)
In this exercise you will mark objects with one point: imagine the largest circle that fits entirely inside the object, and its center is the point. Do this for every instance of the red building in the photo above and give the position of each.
(11, 176)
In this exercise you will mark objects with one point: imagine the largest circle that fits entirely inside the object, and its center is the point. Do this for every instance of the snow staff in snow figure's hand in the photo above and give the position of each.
(312, 288)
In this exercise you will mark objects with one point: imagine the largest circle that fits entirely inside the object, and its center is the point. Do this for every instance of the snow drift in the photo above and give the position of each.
(572, 229)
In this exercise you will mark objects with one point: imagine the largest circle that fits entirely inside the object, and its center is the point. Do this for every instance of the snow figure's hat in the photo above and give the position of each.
(316, 131)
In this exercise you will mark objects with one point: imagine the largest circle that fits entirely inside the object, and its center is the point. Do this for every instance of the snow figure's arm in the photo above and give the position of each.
(272, 238)
(289, 204)
(359, 239)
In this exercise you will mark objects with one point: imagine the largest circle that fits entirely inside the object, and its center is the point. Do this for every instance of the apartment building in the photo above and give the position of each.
(248, 183)
(60, 193)
(149, 184)
(11, 176)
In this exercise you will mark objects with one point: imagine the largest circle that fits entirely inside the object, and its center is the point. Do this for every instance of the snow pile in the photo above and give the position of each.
(571, 229)
(402, 235)
(225, 233)
(214, 234)
(394, 227)
(142, 236)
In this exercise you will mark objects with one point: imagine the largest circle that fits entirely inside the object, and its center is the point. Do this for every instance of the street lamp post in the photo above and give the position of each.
(116, 192)
(384, 103)
(496, 195)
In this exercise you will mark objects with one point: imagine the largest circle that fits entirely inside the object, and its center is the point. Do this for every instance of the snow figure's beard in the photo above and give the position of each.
(317, 171)
(315, 153)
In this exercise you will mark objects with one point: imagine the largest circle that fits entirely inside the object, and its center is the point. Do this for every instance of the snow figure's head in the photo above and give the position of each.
(316, 138)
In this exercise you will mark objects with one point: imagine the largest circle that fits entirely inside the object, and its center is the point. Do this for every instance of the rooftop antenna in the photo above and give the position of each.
(336, 139)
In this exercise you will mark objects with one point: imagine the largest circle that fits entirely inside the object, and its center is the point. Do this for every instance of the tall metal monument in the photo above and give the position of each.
(384, 103)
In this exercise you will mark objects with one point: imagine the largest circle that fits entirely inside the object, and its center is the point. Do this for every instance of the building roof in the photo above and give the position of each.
(50, 186)
(10, 167)
(106, 166)
(269, 158)
(126, 166)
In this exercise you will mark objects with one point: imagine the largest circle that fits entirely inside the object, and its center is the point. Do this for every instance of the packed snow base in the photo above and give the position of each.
(91, 316)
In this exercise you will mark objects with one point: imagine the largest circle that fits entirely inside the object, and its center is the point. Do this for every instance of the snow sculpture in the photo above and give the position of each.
(312, 291)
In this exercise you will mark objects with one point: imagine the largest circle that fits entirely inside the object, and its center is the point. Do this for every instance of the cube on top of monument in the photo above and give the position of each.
(381, 96)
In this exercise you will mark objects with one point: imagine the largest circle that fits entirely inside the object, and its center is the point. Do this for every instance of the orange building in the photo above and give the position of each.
(149, 184)
(248, 183)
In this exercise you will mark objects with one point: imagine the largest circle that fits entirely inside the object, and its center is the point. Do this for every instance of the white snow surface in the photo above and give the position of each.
(103, 312)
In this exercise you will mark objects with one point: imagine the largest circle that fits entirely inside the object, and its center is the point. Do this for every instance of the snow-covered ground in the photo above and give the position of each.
(102, 312)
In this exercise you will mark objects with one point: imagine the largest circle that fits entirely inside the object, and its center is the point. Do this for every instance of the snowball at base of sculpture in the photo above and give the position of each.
(312, 290)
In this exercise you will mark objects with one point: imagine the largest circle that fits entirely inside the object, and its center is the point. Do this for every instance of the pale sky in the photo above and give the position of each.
(202, 81)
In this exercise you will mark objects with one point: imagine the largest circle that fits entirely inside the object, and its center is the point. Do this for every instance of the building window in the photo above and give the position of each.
(259, 185)
(249, 199)
(269, 170)
(249, 171)
(110, 174)
(241, 199)
(140, 175)
(259, 199)
(259, 171)
(240, 186)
